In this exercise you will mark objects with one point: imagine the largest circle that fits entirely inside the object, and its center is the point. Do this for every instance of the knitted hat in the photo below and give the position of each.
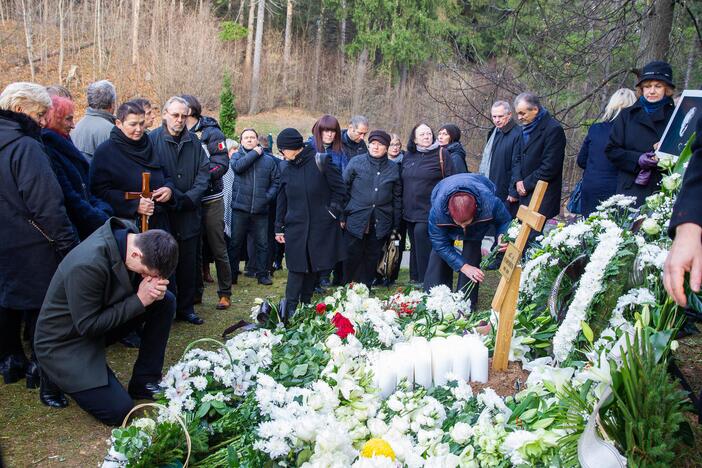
(380, 136)
(657, 70)
(289, 139)
(462, 207)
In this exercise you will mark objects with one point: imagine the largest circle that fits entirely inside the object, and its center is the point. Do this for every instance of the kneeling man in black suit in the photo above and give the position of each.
(104, 288)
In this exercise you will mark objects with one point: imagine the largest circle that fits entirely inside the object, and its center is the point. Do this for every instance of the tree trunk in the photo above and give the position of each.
(61, 41)
(286, 45)
(654, 43)
(691, 56)
(256, 74)
(359, 81)
(318, 57)
(342, 36)
(135, 31)
(27, 20)
(249, 36)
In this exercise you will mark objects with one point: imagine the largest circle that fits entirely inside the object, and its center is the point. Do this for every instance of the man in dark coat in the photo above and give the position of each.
(310, 206)
(635, 132)
(352, 139)
(686, 230)
(187, 164)
(503, 143)
(213, 140)
(104, 288)
(256, 182)
(374, 208)
(541, 154)
(34, 227)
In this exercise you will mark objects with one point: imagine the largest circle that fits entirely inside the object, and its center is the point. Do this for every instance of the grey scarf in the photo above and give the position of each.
(487, 155)
(432, 147)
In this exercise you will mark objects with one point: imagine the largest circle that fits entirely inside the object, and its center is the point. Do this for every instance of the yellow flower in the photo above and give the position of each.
(377, 447)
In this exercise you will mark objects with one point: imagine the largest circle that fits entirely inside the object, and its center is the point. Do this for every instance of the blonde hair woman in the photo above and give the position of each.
(600, 176)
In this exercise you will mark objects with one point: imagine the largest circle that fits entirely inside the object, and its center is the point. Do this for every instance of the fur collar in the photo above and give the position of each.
(27, 125)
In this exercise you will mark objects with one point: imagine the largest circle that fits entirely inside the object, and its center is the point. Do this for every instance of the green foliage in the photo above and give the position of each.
(231, 31)
(227, 109)
(167, 447)
(646, 416)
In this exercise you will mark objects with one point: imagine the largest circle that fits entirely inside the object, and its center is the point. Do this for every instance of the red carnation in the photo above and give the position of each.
(321, 308)
(344, 327)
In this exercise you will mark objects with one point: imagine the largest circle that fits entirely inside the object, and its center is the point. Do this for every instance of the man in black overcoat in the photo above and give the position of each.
(309, 209)
(107, 286)
(188, 166)
(686, 229)
(540, 156)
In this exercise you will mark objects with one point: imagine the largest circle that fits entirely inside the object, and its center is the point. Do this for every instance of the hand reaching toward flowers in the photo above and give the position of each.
(685, 256)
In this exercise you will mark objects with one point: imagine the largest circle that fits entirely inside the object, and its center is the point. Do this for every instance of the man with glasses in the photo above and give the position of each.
(187, 164)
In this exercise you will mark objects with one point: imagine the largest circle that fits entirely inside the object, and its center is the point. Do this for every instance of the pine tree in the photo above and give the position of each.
(227, 110)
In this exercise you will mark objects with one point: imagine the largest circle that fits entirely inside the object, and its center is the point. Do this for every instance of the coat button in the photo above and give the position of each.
(180, 175)
(376, 189)
(378, 173)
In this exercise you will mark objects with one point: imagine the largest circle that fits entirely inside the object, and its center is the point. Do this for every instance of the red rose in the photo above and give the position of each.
(321, 308)
(344, 327)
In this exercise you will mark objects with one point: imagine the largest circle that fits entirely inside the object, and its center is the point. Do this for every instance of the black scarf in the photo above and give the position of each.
(139, 150)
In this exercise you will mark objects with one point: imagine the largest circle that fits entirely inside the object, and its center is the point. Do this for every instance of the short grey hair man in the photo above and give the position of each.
(358, 120)
(102, 95)
(503, 104)
(174, 99)
(352, 140)
(530, 99)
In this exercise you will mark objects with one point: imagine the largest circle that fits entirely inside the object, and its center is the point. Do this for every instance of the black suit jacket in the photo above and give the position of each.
(89, 295)
(687, 205)
(542, 159)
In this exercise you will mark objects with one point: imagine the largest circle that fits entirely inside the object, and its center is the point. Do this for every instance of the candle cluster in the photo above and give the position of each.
(429, 362)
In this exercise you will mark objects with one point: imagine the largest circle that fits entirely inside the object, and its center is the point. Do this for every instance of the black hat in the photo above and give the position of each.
(381, 136)
(657, 70)
(289, 139)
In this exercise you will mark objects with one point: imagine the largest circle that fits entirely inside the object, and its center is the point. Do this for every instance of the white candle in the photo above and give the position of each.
(420, 356)
(404, 366)
(384, 374)
(460, 353)
(478, 360)
(441, 360)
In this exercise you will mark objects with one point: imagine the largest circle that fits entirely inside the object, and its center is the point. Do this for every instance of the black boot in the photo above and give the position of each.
(32, 374)
(13, 368)
(50, 394)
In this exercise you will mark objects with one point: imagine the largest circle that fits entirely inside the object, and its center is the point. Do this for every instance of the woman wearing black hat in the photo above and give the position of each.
(374, 207)
(309, 209)
(637, 131)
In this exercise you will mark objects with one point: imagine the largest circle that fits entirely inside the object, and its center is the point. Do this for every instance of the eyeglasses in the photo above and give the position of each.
(396, 144)
(178, 116)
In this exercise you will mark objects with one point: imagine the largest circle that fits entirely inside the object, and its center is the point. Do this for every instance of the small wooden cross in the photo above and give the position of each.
(505, 300)
(145, 193)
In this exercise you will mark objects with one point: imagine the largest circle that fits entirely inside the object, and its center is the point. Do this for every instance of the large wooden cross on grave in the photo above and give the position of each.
(145, 193)
(505, 300)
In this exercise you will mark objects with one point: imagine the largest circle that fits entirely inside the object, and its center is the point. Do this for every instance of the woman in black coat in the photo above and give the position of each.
(449, 137)
(35, 230)
(600, 175)
(117, 167)
(638, 130)
(424, 164)
(86, 211)
(309, 209)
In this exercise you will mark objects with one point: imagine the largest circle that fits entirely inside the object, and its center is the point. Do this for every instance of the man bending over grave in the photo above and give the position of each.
(104, 288)
(463, 206)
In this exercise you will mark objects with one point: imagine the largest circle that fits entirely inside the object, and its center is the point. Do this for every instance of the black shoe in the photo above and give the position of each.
(277, 266)
(147, 391)
(132, 340)
(32, 375)
(250, 274)
(13, 368)
(265, 280)
(50, 394)
(190, 317)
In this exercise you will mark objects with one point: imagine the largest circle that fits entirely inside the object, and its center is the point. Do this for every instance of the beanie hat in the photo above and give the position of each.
(657, 70)
(462, 207)
(289, 139)
(380, 136)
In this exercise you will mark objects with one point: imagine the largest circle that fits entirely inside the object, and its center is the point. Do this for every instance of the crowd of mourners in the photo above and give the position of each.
(88, 246)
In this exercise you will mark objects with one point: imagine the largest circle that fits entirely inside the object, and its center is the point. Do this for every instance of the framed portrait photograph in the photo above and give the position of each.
(682, 124)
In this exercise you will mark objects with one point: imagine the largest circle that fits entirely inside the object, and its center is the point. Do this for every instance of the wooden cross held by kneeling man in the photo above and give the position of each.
(505, 300)
(145, 193)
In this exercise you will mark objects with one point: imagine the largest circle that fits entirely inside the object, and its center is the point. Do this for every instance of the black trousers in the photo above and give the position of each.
(439, 272)
(258, 223)
(11, 330)
(186, 275)
(421, 249)
(110, 403)
(299, 289)
(363, 256)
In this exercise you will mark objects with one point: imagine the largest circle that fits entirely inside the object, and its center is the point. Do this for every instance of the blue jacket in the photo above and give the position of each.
(340, 160)
(256, 181)
(86, 211)
(443, 231)
(600, 176)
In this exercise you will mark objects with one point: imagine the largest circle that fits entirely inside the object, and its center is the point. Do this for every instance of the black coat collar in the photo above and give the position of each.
(25, 123)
